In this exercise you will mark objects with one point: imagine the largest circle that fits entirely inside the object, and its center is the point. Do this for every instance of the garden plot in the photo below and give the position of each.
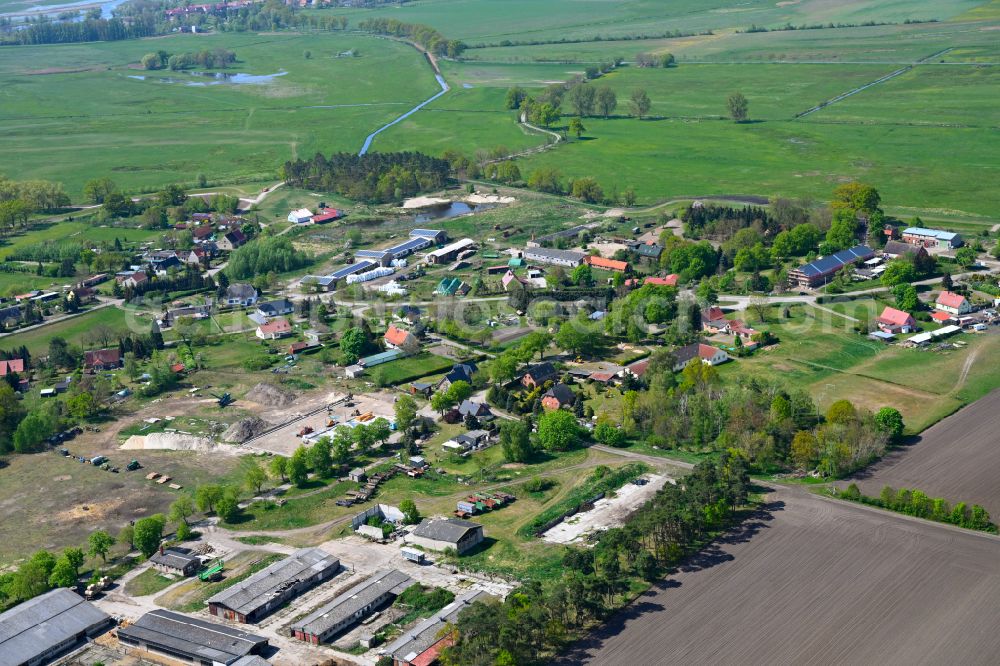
(608, 512)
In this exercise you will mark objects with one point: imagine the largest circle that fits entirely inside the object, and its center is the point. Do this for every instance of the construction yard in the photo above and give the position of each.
(816, 580)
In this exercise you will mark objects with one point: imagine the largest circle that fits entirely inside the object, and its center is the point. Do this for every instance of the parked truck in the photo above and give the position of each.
(412, 554)
(97, 461)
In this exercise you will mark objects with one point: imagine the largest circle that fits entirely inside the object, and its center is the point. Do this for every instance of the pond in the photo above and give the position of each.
(217, 78)
(454, 209)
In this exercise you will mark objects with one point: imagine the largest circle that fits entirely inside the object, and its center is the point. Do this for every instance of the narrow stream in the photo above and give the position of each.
(371, 137)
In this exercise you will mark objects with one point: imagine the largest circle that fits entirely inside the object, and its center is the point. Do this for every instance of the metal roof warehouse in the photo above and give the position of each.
(253, 598)
(39, 629)
(181, 637)
(351, 606)
(415, 642)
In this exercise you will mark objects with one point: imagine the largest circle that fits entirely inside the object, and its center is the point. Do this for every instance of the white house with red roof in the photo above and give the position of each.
(952, 303)
(708, 354)
(11, 365)
(896, 321)
(272, 330)
(400, 338)
(713, 320)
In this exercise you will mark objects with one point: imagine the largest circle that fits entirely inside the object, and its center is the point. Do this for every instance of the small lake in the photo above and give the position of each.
(454, 209)
(216, 78)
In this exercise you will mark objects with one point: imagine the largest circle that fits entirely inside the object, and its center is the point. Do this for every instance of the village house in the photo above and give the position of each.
(638, 369)
(459, 372)
(102, 359)
(202, 233)
(232, 240)
(279, 328)
(538, 374)
(559, 396)
(708, 354)
(11, 365)
(133, 279)
(895, 321)
(240, 294)
(277, 308)
(952, 303)
(326, 215)
(399, 338)
(713, 320)
(477, 409)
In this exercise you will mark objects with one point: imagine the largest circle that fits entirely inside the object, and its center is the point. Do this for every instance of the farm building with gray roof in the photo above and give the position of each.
(40, 629)
(183, 638)
(253, 598)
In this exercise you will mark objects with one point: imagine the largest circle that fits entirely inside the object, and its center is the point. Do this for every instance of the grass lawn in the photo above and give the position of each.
(148, 582)
(411, 368)
(75, 329)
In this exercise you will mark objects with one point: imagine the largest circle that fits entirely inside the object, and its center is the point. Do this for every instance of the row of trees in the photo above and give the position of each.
(917, 503)
(19, 200)
(542, 617)
(426, 36)
(372, 177)
(88, 30)
(205, 59)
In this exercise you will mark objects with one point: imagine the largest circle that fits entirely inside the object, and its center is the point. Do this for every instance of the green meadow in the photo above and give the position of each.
(165, 128)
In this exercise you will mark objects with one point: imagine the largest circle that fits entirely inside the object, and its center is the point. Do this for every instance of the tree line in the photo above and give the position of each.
(917, 503)
(206, 59)
(88, 30)
(372, 177)
(426, 36)
(543, 616)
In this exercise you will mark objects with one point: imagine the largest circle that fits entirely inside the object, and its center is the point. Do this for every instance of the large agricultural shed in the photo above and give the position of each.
(189, 639)
(349, 607)
(38, 630)
(443, 533)
(823, 269)
(423, 643)
(253, 598)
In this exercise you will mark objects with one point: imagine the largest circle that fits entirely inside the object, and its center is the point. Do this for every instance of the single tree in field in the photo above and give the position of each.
(639, 103)
(607, 101)
(410, 513)
(100, 543)
(576, 127)
(738, 107)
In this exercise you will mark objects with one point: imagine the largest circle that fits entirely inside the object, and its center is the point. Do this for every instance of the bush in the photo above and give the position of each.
(539, 484)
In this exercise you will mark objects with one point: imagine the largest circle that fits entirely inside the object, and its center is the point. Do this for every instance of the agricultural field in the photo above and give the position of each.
(815, 576)
(957, 459)
(75, 329)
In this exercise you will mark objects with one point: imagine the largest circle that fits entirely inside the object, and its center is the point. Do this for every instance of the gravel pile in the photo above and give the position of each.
(245, 429)
(270, 395)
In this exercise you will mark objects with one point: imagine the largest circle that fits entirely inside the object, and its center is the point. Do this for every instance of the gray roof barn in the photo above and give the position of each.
(197, 640)
(353, 603)
(248, 595)
(451, 530)
(47, 625)
(419, 639)
(175, 558)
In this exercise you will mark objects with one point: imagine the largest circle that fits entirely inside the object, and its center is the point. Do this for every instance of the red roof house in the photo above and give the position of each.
(399, 338)
(942, 317)
(953, 303)
(669, 281)
(11, 365)
(638, 369)
(606, 264)
(327, 215)
(102, 359)
(273, 330)
(895, 321)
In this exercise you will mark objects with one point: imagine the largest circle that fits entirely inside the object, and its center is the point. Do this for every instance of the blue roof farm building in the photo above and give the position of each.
(187, 639)
(252, 599)
(931, 237)
(823, 270)
(366, 259)
(40, 629)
